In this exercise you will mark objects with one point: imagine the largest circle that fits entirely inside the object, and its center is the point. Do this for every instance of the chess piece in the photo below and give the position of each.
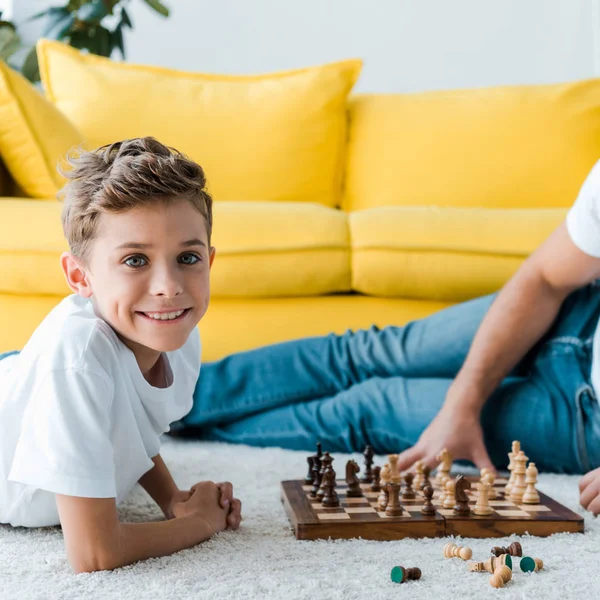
(502, 575)
(482, 507)
(319, 450)
(425, 481)
(491, 564)
(326, 461)
(428, 508)
(382, 501)
(449, 500)
(418, 481)
(461, 485)
(452, 550)
(375, 486)
(531, 495)
(354, 489)
(445, 465)
(393, 462)
(519, 486)
(330, 497)
(528, 564)
(408, 493)
(400, 574)
(489, 477)
(310, 475)
(514, 549)
(316, 476)
(516, 448)
(394, 507)
(442, 493)
(368, 454)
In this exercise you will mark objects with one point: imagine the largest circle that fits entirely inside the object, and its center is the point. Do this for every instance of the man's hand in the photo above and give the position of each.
(227, 500)
(589, 491)
(458, 430)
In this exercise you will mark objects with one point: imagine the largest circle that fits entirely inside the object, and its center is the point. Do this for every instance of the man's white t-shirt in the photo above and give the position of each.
(77, 417)
(583, 225)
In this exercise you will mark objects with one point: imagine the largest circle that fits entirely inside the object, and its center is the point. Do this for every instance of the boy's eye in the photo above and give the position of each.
(135, 261)
(189, 258)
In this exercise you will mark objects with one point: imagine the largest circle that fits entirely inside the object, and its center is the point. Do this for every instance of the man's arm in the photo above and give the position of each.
(159, 483)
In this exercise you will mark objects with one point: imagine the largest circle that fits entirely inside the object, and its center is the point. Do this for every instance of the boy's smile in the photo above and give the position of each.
(147, 274)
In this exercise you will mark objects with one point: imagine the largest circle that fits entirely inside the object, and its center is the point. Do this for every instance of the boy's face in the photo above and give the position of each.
(148, 275)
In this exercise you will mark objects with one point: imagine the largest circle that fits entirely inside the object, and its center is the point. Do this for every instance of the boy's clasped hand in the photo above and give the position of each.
(214, 502)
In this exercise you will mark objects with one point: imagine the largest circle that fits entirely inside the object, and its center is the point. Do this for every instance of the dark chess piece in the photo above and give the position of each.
(400, 574)
(316, 476)
(310, 475)
(514, 549)
(394, 507)
(428, 507)
(409, 493)
(375, 487)
(426, 472)
(319, 450)
(368, 454)
(461, 486)
(354, 489)
(326, 461)
(330, 498)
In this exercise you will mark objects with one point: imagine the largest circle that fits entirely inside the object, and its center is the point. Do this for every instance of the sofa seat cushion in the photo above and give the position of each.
(499, 147)
(270, 249)
(276, 136)
(444, 254)
(264, 249)
(34, 135)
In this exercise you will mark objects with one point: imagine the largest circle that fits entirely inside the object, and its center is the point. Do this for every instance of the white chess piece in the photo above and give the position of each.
(516, 448)
(531, 495)
(482, 507)
(518, 487)
(450, 498)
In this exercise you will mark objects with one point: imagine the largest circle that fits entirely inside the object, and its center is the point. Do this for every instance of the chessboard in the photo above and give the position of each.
(360, 517)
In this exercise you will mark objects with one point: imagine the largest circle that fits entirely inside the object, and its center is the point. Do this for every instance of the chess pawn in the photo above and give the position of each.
(445, 465)
(393, 462)
(425, 481)
(531, 495)
(449, 499)
(418, 481)
(428, 509)
(453, 551)
(501, 576)
(482, 507)
(310, 475)
(368, 474)
(400, 574)
(519, 486)
(330, 498)
(516, 448)
(529, 564)
(490, 478)
(376, 486)
(442, 493)
(408, 493)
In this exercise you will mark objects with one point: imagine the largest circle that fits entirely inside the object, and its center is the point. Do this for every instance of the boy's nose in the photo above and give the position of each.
(166, 283)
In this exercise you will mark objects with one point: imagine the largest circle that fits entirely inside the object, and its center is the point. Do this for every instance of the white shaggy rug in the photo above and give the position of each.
(264, 560)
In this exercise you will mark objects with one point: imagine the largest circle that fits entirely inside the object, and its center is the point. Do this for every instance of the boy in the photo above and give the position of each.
(473, 378)
(84, 404)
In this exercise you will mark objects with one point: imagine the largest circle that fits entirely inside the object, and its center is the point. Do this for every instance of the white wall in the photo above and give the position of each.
(407, 45)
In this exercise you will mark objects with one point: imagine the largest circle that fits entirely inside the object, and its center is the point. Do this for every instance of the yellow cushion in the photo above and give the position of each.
(34, 135)
(279, 136)
(283, 249)
(445, 254)
(263, 249)
(514, 147)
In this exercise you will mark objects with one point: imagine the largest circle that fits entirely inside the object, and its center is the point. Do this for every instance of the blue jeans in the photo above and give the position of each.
(384, 386)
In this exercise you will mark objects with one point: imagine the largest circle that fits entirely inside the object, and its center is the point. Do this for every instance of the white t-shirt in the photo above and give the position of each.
(583, 225)
(77, 417)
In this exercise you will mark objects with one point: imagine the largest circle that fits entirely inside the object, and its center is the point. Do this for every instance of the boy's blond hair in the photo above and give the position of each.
(125, 175)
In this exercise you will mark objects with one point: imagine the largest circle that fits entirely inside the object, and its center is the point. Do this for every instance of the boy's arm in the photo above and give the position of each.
(160, 485)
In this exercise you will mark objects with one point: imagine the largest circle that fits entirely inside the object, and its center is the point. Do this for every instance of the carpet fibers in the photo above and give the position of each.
(264, 560)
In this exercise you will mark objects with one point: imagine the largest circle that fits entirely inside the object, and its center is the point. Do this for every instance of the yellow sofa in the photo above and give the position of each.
(405, 205)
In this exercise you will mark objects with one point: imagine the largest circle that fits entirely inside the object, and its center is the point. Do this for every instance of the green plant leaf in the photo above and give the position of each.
(49, 12)
(59, 25)
(158, 6)
(125, 19)
(117, 40)
(93, 12)
(10, 42)
(30, 67)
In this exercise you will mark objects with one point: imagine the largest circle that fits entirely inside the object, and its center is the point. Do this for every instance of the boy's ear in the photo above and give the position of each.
(211, 256)
(75, 274)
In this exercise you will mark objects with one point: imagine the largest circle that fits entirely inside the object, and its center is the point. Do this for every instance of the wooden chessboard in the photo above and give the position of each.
(359, 517)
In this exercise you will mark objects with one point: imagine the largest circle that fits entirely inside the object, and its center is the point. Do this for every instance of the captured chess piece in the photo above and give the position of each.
(491, 564)
(515, 549)
(461, 485)
(502, 575)
(528, 564)
(368, 475)
(400, 574)
(428, 508)
(354, 489)
(531, 495)
(453, 551)
(408, 493)
(376, 486)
